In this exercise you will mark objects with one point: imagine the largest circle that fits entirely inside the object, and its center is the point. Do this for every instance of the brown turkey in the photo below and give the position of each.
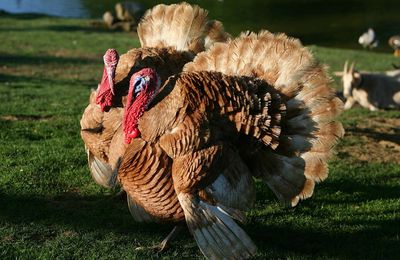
(259, 107)
(170, 36)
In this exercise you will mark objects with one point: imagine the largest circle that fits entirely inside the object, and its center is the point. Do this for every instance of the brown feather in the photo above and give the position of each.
(98, 129)
(145, 174)
(308, 130)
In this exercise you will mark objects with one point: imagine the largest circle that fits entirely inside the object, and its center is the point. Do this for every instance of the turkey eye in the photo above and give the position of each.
(139, 84)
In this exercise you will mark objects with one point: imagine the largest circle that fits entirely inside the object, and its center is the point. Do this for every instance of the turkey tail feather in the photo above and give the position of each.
(102, 173)
(307, 129)
(215, 32)
(182, 26)
(216, 233)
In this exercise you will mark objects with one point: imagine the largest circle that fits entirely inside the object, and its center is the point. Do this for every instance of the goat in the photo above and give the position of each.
(371, 90)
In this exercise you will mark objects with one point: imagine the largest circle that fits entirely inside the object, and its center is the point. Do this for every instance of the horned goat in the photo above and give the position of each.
(372, 90)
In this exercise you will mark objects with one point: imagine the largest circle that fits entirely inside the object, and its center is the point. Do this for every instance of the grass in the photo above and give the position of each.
(50, 208)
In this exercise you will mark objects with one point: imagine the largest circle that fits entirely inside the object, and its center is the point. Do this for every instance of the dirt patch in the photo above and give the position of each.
(375, 140)
(70, 234)
(25, 118)
(7, 239)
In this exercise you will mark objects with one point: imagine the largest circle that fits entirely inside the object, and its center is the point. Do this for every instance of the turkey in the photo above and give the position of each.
(257, 107)
(170, 36)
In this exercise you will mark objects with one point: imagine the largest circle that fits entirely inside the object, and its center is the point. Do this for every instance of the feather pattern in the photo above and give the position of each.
(138, 213)
(97, 131)
(181, 26)
(216, 234)
(163, 47)
(308, 130)
(102, 172)
(145, 173)
(244, 103)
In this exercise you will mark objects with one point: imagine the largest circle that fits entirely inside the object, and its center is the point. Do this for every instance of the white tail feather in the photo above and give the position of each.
(102, 173)
(216, 234)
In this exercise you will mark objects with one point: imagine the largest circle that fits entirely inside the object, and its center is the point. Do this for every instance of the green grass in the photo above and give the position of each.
(50, 208)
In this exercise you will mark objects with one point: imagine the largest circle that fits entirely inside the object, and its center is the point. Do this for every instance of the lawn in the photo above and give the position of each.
(50, 208)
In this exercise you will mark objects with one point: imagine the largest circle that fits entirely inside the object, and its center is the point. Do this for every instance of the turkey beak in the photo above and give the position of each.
(110, 76)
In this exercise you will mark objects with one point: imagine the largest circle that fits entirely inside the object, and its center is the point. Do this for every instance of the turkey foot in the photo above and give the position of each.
(161, 247)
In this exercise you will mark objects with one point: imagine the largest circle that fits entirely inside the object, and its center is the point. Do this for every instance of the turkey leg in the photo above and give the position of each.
(166, 242)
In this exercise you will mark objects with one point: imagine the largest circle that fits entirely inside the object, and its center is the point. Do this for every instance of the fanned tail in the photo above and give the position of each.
(214, 32)
(181, 26)
(308, 130)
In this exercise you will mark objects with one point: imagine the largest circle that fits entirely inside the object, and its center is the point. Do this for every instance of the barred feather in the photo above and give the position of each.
(181, 26)
(308, 130)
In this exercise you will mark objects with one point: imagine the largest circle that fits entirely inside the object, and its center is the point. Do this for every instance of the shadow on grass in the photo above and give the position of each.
(364, 192)
(23, 133)
(93, 27)
(39, 80)
(26, 117)
(109, 214)
(342, 232)
(376, 241)
(35, 60)
(395, 138)
(85, 213)
(42, 82)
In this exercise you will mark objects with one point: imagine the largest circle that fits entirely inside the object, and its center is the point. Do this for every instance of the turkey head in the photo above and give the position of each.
(143, 87)
(105, 90)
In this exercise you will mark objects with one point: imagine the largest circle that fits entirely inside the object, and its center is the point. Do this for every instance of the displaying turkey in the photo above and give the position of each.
(258, 106)
(170, 36)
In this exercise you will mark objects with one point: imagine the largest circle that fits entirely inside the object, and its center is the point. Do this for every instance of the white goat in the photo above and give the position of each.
(371, 90)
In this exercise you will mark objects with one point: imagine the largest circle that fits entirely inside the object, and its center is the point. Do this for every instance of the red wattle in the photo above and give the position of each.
(132, 135)
(135, 133)
(104, 94)
(137, 102)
